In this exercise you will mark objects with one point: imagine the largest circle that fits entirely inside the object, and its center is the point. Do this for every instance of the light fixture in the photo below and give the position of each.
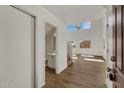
(72, 43)
(78, 27)
(54, 34)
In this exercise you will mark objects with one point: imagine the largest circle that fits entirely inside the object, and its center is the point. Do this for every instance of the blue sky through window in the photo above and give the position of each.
(71, 27)
(83, 25)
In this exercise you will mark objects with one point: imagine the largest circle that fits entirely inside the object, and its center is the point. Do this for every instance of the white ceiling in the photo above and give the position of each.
(76, 13)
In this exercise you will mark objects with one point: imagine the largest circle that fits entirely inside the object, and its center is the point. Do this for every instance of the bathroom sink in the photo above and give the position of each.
(52, 54)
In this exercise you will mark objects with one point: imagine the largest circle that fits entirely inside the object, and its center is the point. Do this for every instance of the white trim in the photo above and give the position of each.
(57, 52)
(41, 16)
(39, 49)
(39, 52)
(56, 60)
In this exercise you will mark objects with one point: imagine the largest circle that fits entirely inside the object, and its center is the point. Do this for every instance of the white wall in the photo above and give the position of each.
(49, 43)
(69, 49)
(44, 16)
(94, 34)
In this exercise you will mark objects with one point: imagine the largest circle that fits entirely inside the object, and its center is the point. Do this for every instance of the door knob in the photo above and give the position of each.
(111, 76)
(113, 58)
(109, 69)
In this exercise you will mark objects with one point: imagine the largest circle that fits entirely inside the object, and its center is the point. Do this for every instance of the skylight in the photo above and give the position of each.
(71, 27)
(82, 26)
(85, 25)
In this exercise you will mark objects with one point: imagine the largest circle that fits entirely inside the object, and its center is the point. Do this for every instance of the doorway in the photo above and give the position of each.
(80, 59)
(50, 49)
(71, 55)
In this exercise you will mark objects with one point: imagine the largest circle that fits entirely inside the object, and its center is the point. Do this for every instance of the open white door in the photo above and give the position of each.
(16, 48)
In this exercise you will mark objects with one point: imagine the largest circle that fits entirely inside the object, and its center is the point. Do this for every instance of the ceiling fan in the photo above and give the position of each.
(80, 26)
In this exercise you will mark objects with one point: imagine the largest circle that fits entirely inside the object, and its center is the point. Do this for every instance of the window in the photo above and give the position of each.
(85, 25)
(71, 28)
(82, 26)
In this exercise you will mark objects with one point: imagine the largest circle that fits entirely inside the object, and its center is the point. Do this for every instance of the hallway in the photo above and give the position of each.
(82, 74)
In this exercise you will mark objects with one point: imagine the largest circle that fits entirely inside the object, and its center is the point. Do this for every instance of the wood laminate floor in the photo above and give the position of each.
(82, 74)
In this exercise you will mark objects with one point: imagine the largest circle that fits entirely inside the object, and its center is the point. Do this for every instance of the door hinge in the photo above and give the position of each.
(107, 50)
(107, 25)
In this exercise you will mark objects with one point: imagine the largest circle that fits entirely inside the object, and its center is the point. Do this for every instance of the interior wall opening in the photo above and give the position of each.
(50, 49)
(93, 65)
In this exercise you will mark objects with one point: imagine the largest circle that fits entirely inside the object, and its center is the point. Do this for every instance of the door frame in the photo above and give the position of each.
(108, 51)
(39, 45)
(56, 30)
